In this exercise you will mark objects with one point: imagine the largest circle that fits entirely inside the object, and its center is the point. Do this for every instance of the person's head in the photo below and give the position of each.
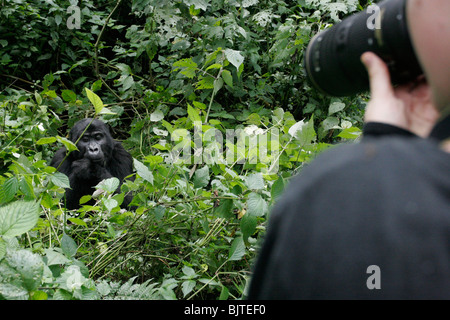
(429, 25)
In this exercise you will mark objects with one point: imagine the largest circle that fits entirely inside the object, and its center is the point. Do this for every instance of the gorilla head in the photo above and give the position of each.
(95, 143)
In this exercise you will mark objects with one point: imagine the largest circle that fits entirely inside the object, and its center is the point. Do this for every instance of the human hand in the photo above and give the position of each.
(407, 106)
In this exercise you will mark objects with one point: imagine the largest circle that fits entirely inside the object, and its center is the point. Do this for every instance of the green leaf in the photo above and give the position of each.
(2, 248)
(68, 95)
(55, 258)
(12, 292)
(234, 57)
(28, 266)
(39, 295)
(350, 133)
(335, 107)
(60, 179)
(143, 171)
(255, 181)
(156, 116)
(304, 132)
(277, 188)
(201, 177)
(187, 66)
(110, 185)
(198, 4)
(18, 217)
(218, 84)
(9, 189)
(95, 100)
(78, 221)
(256, 205)
(227, 77)
(47, 140)
(187, 286)
(110, 204)
(224, 210)
(193, 114)
(248, 225)
(237, 249)
(70, 146)
(68, 246)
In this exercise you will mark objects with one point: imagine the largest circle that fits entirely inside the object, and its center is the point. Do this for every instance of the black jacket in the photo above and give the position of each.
(379, 208)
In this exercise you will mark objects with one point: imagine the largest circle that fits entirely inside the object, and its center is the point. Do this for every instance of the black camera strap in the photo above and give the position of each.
(441, 130)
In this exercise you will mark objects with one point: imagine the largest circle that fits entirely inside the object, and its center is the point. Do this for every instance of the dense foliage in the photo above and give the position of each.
(173, 79)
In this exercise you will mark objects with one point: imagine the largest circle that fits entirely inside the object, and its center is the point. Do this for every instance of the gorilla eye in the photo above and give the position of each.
(98, 136)
(85, 139)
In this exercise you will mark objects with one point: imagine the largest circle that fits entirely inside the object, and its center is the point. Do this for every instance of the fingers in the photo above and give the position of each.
(379, 77)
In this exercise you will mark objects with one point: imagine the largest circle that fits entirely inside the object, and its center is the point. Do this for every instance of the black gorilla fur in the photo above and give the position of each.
(99, 157)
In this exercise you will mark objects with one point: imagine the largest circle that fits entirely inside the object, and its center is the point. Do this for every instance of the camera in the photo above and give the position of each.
(332, 58)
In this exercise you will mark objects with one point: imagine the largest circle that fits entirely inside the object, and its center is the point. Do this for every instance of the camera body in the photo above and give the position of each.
(333, 57)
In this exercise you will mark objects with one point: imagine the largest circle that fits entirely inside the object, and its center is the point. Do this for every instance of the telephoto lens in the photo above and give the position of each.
(333, 57)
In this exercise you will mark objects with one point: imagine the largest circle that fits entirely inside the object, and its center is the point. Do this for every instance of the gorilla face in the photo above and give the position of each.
(95, 143)
(91, 145)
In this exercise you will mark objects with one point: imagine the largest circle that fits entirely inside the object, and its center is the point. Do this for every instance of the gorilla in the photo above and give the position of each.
(99, 157)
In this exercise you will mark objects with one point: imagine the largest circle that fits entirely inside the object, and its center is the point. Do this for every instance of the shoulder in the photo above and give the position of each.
(358, 170)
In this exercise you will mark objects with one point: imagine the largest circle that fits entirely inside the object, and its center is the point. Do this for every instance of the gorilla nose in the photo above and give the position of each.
(93, 149)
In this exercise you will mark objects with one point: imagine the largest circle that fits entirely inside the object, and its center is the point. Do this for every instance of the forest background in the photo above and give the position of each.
(155, 71)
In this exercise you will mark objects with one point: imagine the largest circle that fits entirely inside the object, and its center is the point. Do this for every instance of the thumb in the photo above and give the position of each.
(379, 77)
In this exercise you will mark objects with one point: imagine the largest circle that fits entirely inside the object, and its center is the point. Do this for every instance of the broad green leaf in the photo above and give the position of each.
(156, 116)
(335, 107)
(224, 210)
(189, 273)
(78, 221)
(277, 188)
(9, 189)
(39, 295)
(234, 57)
(143, 171)
(68, 246)
(55, 258)
(218, 84)
(60, 179)
(330, 123)
(18, 217)
(227, 77)
(47, 140)
(70, 146)
(110, 185)
(193, 114)
(187, 66)
(2, 248)
(248, 225)
(38, 98)
(350, 133)
(237, 249)
(28, 266)
(106, 111)
(110, 204)
(26, 186)
(304, 132)
(256, 205)
(68, 95)
(201, 177)
(12, 292)
(198, 4)
(95, 100)
(187, 286)
(255, 181)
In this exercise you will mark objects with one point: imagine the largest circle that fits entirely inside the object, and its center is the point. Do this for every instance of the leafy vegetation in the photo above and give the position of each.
(183, 83)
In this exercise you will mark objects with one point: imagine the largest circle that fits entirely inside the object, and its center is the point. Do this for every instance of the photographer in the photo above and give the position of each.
(372, 220)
